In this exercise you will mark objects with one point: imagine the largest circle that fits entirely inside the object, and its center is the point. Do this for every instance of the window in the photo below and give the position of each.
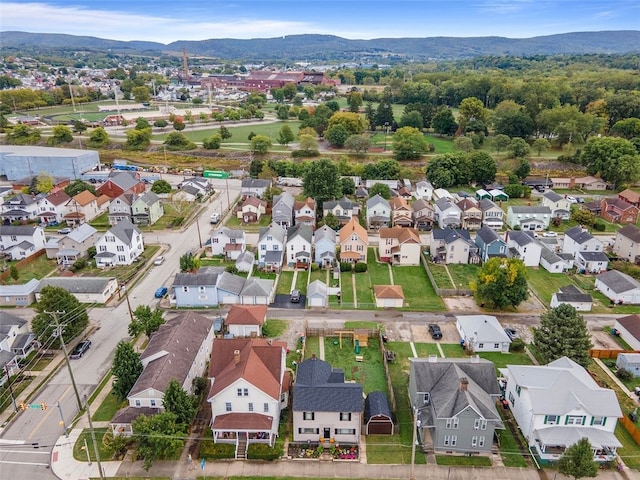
(448, 423)
(483, 424)
(153, 402)
(575, 420)
(120, 248)
(137, 403)
(122, 258)
(215, 240)
(426, 398)
(446, 441)
(474, 441)
(598, 421)
(202, 289)
(266, 408)
(454, 440)
(239, 392)
(312, 431)
(345, 431)
(512, 399)
(228, 406)
(551, 419)
(308, 416)
(481, 441)
(251, 406)
(269, 238)
(481, 345)
(496, 345)
(185, 289)
(103, 248)
(518, 389)
(345, 416)
(455, 422)
(276, 248)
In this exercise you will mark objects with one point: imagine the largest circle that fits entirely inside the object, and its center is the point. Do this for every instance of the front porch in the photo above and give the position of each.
(550, 443)
(242, 429)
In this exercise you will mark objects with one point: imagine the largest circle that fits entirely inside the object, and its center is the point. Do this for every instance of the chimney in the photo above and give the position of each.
(464, 383)
(236, 356)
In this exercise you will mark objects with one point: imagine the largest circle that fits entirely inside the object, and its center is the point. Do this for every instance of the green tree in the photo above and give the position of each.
(145, 321)
(78, 126)
(285, 135)
(331, 221)
(583, 217)
(484, 167)
(61, 134)
(178, 125)
(158, 437)
(99, 138)
(354, 123)
(142, 123)
(260, 144)
(500, 142)
(387, 169)
(523, 169)
(443, 122)
(449, 169)
(138, 139)
(409, 144)
(141, 94)
(501, 283)
(290, 91)
(178, 141)
(512, 120)
(518, 148)
(161, 186)
(77, 187)
(384, 114)
(412, 119)
(354, 99)
(160, 123)
(358, 143)
(180, 403)
(540, 144)
(614, 158)
(72, 315)
(563, 332)
(627, 128)
(463, 144)
(14, 273)
(308, 143)
(336, 135)
(213, 142)
(22, 134)
(347, 186)
(381, 189)
(189, 262)
(126, 369)
(577, 460)
(322, 181)
(44, 183)
(471, 110)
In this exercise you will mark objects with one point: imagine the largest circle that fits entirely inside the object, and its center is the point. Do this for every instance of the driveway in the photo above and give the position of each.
(283, 301)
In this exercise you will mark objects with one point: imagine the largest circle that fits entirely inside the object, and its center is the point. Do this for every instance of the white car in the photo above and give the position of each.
(550, 234)
(571, 199)
(159, 260)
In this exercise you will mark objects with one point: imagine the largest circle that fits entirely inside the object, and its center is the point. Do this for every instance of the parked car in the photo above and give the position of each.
(80, 349)
(571, 199)
(295, 296)
(65, 230)
(511, 333)
(580, 199)
(435, 331)
(161, 292)
(215, 218)
(159, 260)
(550, 234)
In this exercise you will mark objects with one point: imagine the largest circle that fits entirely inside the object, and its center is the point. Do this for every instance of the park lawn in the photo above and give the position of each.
(108, 408)
(346, 288)
(462, 274)
(439, 274)
(378, 272)
(239, 131)
(285, 283)
(302, 280)
(369, 373)
(442, 144)
(425, 349)
(501, 360)
(364, 291)
(38, 269)
(452, 350)
(418, 291)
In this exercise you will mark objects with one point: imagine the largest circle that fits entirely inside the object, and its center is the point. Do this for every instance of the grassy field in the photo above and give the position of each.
(545, 284)
(37, 269)
(426, 349)
(80, 454)
(274, 327)
(462, 274)
(369, 373)
(418, 291)
(439, 274)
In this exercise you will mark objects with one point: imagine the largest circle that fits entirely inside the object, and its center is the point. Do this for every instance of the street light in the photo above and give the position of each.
(386, 132)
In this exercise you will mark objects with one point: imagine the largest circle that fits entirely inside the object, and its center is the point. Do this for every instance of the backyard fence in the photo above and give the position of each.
(595, 353)
(631, 428)
(444, 292)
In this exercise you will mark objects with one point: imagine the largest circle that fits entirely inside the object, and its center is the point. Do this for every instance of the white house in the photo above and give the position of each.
(378, 212)
(298, 246)
(230, 242)
(531, 218)
(492, 214)
(90, 290)
(572, 295)
(447, 213)
(557, 404)
(21, 241)
(20, 207)
(628, 327)
(577, 239)
(246, 320)
(53, 207)
(254, 187)
(271, 239)
(324, 242)
(399, 246)
(424, 190)
(591, 262)
(524, 246)
(122, 244)
(559, 205)
(618, 287)
(245, 261)
(15, 338)
(482, 333)
(553, 262)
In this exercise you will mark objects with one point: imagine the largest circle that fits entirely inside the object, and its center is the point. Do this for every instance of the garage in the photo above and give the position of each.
(378, 419)
(389, 296)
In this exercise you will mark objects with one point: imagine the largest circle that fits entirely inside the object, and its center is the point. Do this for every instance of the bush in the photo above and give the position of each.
(305, 153)
(517, 345)
(624, 374)
(346, 267)
(360, 267)
(262, 451)
(212, 451)
(231, 269)
(599, 226)
(78, 265)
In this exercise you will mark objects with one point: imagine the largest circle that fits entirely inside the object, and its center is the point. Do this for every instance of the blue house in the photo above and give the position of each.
(196, 289)
(490, 244)
(325, 246)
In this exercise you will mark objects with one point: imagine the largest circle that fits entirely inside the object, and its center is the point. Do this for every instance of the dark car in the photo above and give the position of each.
(80, 349)
(435, 331)
(161, 292)
(295, 296)
(511, 333)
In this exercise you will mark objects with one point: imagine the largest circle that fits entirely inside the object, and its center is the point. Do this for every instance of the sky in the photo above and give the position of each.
(166, 21)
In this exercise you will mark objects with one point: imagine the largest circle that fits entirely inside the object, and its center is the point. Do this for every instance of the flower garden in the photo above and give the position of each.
(311, 451)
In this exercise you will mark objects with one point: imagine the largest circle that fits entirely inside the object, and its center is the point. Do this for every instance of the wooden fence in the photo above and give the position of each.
(631, 428)
(595, 353)
(333, 332)
(22, 263)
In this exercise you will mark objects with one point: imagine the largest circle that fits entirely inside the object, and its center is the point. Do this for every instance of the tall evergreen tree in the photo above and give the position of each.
(126, 369)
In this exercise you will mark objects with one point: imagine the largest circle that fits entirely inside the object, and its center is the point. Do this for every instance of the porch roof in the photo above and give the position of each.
(566, 436)
(243, 421)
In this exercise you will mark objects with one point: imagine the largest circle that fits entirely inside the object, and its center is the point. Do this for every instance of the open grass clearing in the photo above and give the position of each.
(439, 274)
(285, 283)
(38, 269)
(501, 360)
(452, 350)
(424, 350)
(462, 274)
(108, 408)
(79, 452)
(418, 291)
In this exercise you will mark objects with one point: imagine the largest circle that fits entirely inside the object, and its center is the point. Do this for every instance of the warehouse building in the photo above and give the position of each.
(18, 162)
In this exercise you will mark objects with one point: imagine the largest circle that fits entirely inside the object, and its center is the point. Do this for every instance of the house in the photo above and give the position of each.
(146, 209)
(120, 208)
(490, 244)
(196, 289)
(230, 242)
(190, 192)
(591, 262)
(82, 208)
(554, 262)
(271, 239)
(618, 287)
(21, 241)
(324, 242)
(254, 187)
(257, 291)
(251, 210)
(578, 239)
(120, 183)
(75, 244)
(423, 214)
(617, 210)
(557, 404)
(628, 327)
(298, 246)
(90, 290)
(582, 183)
(439, 193)
(52, 208)
(245, 261)
(354, 242)
(572, 295)
(424, 190)
(401, 213)
(388, 296)
(629, 362)
(304, 211)
(343, 209)
(529, 218)
(378, 417)
(399, 246)
(630, 196)
(471, 215)
(317, 295)
(524, 246)
(453, 246)
(20, 208)
(15, 339)
(282, 211)
(492, 214)
(249, 388)
(178, 351)
(447, 213)
(122, 244)
(201, 186)
(18, 295)
(559, 205)
(454, 403)
(378, 213)
(482, 333)
(325, 406)
(627, 243)
(498, 195)
(245, 320)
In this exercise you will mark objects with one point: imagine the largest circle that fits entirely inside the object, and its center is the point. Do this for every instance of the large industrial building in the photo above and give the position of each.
(17, 162)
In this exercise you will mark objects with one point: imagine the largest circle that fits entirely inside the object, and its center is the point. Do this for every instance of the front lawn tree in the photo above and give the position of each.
(563, 332)
(180, 403)
(71, 315)
(322, 181)
(161, 186)
(577, 460)
(145, 321)
(158, 437)
(126, 369)
(501, 283)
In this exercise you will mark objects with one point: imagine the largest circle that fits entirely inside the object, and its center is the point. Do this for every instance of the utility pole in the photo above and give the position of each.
(93, 438)
(13, 400)
(126, 296)
(198, 228)
(58, 330)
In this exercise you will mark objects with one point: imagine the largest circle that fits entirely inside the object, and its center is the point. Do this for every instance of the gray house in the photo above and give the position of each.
(490, 244)
(324, 240)
(282, 211)
(630, 362)
(454, 401)
(196, 289)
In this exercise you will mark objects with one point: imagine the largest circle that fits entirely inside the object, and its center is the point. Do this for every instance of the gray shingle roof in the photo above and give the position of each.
(488, 235)
(521, 238)
(571, 293)
(255, 183)
(325, 232)
(578, 235)
(594, 256)
(81, 233)
(377, 404)
(530, 210)
(124, 230)
(375, 200)
(231, 283)
(257, 287)
(449, 235)
(631, 232)
(18, 230)
(195, 279)
(76, 284)
(7, 320)
(344, 203)
(124, 181)
(552, 196)
(617, 281)
(275, 230)
(300, 229)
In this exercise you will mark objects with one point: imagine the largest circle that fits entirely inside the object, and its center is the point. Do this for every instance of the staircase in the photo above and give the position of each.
(241, 447)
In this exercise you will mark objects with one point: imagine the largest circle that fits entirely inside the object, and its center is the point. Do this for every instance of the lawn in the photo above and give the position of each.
(462, 274)
(439, 274)
(461, 461)
(364, 291)
(509, 448)
(319, 274)
(545, 284)
(174, 215)
(418, 291)
(234, 222)
(424, 350)
(346, 289)
(108, 408)
(452, 350)
(79, 452)
(123, 273)
(501, 360)
(274, 328)
(311, 347)
(378, 272)
(369, 373)
(285, 283)
(302, 281)
(38, 269)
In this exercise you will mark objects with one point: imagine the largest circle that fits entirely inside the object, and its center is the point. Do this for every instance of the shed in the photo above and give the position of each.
(630, 362)
(482, 194)
(378, 419)
(498, 195)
